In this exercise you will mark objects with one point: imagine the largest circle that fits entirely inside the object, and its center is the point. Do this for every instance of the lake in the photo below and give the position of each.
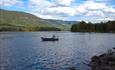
(26, 51)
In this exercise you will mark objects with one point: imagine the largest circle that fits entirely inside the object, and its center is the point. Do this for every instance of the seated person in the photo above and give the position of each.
(53, 36)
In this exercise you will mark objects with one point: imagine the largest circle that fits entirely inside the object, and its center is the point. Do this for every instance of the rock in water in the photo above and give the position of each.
(103, 62)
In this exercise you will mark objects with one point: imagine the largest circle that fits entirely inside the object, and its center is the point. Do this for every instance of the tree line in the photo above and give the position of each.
(82, 26)
(9, 27)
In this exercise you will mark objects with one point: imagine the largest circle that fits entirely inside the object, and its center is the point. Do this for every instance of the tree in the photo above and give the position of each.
(97, 27)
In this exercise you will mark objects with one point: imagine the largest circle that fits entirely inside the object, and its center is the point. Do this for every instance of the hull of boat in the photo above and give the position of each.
(49, 39)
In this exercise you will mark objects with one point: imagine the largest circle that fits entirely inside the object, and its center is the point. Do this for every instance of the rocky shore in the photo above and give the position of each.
(104, 61)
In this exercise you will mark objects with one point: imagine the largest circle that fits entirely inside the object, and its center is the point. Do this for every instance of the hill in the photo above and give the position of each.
(14, 20)
(65, 25)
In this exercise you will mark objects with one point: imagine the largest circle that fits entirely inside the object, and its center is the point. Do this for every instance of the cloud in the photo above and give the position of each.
(57, 7)
(49, 16)
(95, 9)
(81, 9)
(99, 0)
(109, 10)
(65, 2)
(91, 8)
(11, 3)
(104, 19)
(95, 13)
(91, 5)
(63, 10)
(95, 6)
(39, 6)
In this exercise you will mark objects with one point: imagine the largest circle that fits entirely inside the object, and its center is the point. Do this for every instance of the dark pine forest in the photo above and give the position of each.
(94, 27)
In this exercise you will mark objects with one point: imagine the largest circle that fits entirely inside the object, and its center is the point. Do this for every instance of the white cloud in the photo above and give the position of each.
(103, 0)
(39, 6)
(99, 0)
(104, 19)
(95, 6)
(91, 5)
(48, 16)
(11, 2)
(63, 10)
(81, 9)
(91, 8)
(109, 10)
(51, 9)
(95, 13)
(65, 2)
(39, 3)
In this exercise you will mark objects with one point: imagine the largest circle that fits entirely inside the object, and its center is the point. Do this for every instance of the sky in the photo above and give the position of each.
(69, 10)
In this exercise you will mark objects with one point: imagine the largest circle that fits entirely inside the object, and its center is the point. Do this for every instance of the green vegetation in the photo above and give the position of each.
(20, 21)
(49, 29)
(97, 27)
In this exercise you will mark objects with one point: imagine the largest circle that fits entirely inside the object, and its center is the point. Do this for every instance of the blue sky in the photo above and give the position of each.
(70, 10)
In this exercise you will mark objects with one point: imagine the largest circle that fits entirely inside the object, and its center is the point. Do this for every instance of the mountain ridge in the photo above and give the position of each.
(17, 18)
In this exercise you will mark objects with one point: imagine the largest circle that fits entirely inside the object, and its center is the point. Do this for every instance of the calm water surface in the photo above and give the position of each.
(26, 51)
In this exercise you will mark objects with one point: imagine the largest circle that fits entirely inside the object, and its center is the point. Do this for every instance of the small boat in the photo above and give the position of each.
(49, 39)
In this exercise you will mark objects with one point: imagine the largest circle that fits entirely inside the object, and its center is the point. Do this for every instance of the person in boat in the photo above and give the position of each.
(53, 36)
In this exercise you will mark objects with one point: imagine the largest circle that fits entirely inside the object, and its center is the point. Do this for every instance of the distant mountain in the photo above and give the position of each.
(64, 25)
(16, 18)
(62, 21)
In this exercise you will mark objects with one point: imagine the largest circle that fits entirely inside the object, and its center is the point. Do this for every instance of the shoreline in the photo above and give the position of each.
(104, 61)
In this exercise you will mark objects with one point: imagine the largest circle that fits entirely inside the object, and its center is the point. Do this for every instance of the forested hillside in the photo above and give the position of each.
(21, 21)
(91, 27)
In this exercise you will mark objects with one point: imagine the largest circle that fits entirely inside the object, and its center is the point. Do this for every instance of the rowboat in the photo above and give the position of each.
(49, 39)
